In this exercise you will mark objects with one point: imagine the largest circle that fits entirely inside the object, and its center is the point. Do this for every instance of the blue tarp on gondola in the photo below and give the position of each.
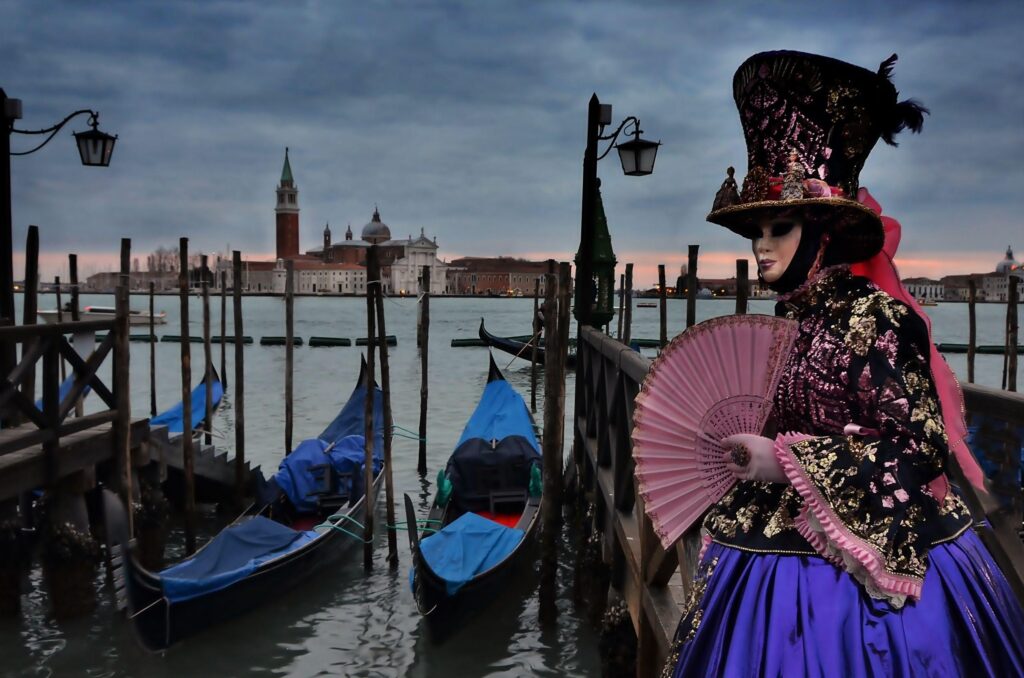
(466, 547)
(174, 418)
(296, 480)
(232, 555)
(350, 421)
(500, 413)
(65, 389)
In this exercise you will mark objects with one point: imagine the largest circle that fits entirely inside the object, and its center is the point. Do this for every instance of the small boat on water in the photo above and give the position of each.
(300, 522)
(520, 349)
(485, 515)
(174, 417)
(102, 313)
(647, 304)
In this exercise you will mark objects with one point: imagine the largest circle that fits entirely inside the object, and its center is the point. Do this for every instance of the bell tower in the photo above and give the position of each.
(328, 254)
(287, 213)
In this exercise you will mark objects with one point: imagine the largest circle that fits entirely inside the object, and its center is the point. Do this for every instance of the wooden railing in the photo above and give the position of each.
(49, 344)
(608, 378)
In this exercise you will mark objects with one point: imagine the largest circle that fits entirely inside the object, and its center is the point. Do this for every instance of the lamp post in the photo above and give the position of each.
(94, 148)
(637, 157)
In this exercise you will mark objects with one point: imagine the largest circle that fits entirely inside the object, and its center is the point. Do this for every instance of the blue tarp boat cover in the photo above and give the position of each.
(65, 389)
(231, 556)
(500, 413)
(350, 420)
(346, 456)
(466, 547)
(174, 418)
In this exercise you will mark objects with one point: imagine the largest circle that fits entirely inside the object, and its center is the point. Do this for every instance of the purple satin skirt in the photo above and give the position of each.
(778, 615)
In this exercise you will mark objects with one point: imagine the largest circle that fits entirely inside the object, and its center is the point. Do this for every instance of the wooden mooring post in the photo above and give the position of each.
(373, 285)
(972, 336)
(187, 453)
(1012, 296)
(557, 299)
(223, 328)
(691, 286)
(535, 329)
(662, 308)
(122, 385)
(60, 319)
(239, 392)
(424, 335)
(30, 303)
(385, 386)
(289, 351)
(207, 353)
(627, 328)
(622, 304)
(742, 286)
(152, 350)
(75, 314)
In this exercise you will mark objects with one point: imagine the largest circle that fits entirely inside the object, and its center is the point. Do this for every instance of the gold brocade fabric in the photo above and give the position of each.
(860, 358)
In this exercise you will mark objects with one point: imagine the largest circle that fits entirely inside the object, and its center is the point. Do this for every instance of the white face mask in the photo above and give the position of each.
(775, 247)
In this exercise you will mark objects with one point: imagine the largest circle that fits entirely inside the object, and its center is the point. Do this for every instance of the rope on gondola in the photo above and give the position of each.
(525, 346)
(405, 433)
(420, 525)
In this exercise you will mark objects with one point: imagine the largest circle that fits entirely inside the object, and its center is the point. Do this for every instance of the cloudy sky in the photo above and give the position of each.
(467, 119)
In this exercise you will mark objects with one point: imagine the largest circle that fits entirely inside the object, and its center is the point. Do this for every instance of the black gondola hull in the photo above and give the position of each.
(445, 613)
(160, 623)
(520, 349)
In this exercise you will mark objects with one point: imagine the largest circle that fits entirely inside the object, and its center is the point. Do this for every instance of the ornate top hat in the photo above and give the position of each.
(810, 122)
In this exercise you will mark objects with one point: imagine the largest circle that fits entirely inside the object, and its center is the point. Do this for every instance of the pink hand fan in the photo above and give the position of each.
(714, 380)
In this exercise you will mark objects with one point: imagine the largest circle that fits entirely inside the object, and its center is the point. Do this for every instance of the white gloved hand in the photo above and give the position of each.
(758, 456)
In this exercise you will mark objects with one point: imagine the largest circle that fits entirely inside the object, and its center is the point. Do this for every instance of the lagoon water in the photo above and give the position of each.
(348, 622)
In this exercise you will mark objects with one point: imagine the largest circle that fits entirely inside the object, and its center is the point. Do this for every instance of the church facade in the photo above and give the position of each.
(339, 267)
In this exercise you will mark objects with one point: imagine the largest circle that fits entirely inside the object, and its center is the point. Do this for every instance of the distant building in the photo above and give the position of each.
(993, 286)
(925, 288)
(401, 261)
(338, 267)
(137, 281)
(496, 276)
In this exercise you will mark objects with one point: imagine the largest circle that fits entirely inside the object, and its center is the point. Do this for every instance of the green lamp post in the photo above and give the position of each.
(595, 261)
(602, 266)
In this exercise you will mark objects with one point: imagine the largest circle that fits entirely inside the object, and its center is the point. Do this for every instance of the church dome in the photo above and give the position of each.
(376, 231)
(1008, 264)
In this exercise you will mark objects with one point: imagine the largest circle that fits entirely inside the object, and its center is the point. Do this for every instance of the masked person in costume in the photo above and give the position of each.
(842, 550)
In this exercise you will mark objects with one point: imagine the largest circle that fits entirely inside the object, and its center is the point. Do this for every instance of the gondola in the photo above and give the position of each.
(303, 518)
(485, 515)
(174, 417)
(520, 349)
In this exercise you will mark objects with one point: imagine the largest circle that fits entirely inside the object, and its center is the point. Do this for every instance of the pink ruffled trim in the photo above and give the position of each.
(705, 542)
(827, 534)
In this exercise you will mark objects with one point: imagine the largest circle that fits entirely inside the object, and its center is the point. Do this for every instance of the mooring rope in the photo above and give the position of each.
(406, 433)
(525, 346)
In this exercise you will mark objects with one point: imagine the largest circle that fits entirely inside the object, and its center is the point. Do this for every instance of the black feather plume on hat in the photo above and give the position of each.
(908, 114)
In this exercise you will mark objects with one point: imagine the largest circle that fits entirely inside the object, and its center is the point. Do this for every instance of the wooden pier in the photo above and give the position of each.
(49, 445)
(653, 582)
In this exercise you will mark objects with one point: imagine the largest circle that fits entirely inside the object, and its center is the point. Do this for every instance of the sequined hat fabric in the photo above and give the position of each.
(810, 122)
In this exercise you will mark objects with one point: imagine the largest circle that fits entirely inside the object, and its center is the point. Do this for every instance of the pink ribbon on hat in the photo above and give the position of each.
(881, 270)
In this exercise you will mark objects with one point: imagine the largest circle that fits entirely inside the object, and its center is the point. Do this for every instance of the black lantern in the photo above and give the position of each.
(95, 147)
(637, 156)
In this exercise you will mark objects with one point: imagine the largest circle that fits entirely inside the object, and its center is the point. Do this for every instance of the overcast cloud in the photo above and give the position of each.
(467, 119)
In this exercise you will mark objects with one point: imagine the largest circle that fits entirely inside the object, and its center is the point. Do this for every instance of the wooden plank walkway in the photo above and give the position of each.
(25, 470)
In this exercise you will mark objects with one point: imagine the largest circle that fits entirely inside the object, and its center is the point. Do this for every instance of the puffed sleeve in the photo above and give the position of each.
(865, 491)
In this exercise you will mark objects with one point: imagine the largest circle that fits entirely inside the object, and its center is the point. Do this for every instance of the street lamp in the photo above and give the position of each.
(94, 148)
(637, 158)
